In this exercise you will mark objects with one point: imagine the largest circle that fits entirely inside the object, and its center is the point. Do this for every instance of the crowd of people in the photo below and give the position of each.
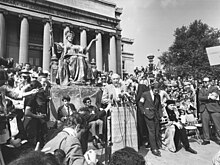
(162, 106)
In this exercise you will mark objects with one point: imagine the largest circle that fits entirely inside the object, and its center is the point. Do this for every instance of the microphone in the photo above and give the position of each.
(120, 96)
(129, 98)
(111, 96)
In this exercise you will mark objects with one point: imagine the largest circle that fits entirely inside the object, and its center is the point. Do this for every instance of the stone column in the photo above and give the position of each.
(2, 35)
(118, 56)
(46, 46)
(83, 37)
(112, 54)
(24, 40)
(99, 62)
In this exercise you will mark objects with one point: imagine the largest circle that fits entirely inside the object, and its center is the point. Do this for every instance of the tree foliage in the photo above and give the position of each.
(187, 55)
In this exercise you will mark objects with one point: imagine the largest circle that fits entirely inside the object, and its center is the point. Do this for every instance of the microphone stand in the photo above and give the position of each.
(123, 100)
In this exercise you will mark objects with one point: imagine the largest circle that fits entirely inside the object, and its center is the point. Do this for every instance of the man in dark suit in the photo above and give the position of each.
(209, 107)
(65, 110)
(141, 125)
(150, 105)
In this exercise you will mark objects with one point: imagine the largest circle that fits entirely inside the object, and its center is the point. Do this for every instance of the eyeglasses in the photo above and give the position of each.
(88, 102)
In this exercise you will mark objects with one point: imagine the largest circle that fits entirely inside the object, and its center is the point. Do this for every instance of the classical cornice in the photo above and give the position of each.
(107, 2)
(127, 40)
(118, 11)
(112, 34)
(3, 11)
(127, 53)
(59, 10)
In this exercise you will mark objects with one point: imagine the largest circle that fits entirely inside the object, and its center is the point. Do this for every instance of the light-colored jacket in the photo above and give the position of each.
(70, 144)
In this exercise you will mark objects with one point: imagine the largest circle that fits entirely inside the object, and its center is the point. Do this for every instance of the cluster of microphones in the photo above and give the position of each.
(126, 98)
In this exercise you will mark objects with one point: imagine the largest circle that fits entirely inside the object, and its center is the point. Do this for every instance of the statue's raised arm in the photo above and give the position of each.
(90, 44)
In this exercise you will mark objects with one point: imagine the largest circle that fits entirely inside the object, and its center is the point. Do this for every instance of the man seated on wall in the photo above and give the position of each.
(65, 110)
(93, 118)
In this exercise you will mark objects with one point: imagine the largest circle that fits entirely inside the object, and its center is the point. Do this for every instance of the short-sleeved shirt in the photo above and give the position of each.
(31, 102)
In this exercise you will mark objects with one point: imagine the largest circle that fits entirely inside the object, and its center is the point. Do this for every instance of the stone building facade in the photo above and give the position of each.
(127, 56)
(25, 30)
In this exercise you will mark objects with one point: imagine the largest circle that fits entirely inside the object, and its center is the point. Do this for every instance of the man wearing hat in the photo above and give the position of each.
(209, 109)
(151, 108)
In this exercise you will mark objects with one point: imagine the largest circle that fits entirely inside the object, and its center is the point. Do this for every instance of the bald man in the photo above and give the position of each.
(113, 92)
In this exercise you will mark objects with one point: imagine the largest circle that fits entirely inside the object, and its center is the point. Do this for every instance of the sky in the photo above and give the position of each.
(151, 23)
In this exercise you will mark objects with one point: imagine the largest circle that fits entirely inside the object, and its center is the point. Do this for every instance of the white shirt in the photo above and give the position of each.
(152, 94)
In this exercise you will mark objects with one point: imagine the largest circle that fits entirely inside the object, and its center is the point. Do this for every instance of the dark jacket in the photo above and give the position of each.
(171, 115)
(148, 107)
(85, 111)
(62, 113)
(211, 105)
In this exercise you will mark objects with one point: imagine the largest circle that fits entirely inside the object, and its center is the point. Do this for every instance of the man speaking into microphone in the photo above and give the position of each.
(121, 128)
(113, 93)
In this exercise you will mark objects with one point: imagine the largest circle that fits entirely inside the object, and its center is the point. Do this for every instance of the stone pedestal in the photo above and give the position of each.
(76, 93)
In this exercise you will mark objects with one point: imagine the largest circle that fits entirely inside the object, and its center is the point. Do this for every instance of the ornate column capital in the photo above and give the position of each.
(118, 37)
(21, 15)
(3, 11)
(112, 34)
(99, 31)
(65, 24)
(84, 28)
(45, 20)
